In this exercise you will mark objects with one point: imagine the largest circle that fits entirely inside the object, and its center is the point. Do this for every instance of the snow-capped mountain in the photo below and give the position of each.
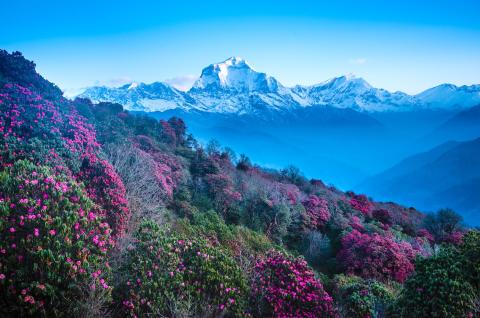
(156, 96)
(449, 95)
(354, 92)
(235, 74)
(234, 86)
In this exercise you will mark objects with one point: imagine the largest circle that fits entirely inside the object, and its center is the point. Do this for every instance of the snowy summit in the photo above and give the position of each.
(233, 86)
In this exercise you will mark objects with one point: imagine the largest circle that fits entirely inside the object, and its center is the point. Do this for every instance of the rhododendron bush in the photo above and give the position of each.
(376, 256)
(287, 287)
(317, 211)
(165, 275)
(361, 203)
(52, 245)
(40, 130)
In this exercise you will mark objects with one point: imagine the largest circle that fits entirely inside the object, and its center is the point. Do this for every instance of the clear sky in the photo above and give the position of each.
(398, 45)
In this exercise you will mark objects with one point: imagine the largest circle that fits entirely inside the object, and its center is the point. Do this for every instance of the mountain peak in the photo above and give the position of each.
(234, 74)
(235, 60)
(347, 80)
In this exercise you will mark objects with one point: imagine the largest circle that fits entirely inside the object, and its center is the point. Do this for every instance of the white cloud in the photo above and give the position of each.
(183, 83)
(358, 61)
(114, 82)
(71, 92)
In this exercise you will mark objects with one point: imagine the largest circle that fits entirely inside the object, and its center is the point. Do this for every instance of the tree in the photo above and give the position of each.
(438, 288)
(244, 163)
(445, 225)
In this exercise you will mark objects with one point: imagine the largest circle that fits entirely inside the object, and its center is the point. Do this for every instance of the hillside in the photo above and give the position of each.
(462, 126)
(444, 176)
(107, 213)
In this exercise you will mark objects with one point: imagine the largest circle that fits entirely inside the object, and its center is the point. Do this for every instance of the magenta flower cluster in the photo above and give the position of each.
(288, 288)
(317, 211)
(376, 256)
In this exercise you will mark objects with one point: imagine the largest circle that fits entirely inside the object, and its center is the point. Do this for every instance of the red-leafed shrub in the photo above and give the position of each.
(286, 287)
(376, 256)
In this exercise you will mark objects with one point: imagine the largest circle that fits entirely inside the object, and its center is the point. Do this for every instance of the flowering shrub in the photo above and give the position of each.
(52, 247)
(424, 233)
(105, 187)
(287, 287)
(376, 256)
(317, 211)
(165, 276)
(361, 203)
(39, 130)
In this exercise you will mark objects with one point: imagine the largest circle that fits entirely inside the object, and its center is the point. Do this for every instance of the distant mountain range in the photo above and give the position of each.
(445, 176)
(233, 86)
(343, 130)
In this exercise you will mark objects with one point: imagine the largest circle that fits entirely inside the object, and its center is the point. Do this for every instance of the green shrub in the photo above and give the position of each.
(166, 275)
(361, 298)
(438, 288)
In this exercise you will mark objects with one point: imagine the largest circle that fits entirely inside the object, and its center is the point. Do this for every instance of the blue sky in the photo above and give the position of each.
(398, 45)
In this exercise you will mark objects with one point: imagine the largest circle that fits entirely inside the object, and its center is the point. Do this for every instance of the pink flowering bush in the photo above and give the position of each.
(424, 233)
(376, 256)
(165, 275)
(52, 248)
(54, 134)
(317, 211)
(286, 287)
(104, 186)
(361, 203)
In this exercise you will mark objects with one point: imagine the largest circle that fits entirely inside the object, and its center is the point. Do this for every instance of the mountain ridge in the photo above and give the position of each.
(234, 86)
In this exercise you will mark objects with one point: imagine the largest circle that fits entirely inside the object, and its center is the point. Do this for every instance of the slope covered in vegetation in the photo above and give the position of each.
(105, 213)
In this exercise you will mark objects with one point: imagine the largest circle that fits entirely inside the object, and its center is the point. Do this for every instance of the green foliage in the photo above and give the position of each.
(165, 275)
(470, 254)
(242, 243)
(438, 288)
(361, 298)
(52, 245)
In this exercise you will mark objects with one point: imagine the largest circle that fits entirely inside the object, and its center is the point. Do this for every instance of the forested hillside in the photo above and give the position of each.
(104, 213)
